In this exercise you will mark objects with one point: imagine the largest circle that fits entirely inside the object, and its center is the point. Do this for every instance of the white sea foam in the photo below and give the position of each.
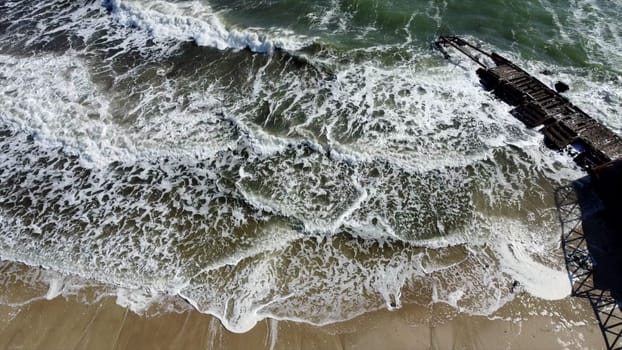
(603, 38)
(331, 17)
(255, 289)
(517, 245)
(56, 286)
(536, 278)
(136, 300)
(245, 202)
(54, 99)
(195, 21)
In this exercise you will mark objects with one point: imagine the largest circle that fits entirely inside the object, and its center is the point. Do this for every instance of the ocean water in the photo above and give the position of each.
(300, 160)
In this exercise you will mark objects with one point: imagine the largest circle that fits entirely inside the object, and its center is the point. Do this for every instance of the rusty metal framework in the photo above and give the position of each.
(580, 266)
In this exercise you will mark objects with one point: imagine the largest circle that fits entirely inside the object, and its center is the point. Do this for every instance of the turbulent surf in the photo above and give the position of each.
(301, 160)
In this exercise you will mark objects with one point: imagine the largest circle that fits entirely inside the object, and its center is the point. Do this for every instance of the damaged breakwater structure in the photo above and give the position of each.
(590, 208)
(563, 123)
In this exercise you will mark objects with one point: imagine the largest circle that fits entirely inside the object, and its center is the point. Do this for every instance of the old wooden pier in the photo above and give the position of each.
(589, 208)
(563, 124)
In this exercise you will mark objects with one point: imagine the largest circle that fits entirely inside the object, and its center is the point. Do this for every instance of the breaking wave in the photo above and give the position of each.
(194, 21)
(258, 186)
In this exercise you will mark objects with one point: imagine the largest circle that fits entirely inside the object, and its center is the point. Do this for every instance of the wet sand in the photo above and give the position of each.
(81, 322)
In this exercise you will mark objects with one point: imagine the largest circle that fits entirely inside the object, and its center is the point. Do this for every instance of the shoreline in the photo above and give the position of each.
(86, 320)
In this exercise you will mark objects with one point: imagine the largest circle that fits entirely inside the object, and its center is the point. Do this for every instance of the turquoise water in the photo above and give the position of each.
(298, 160)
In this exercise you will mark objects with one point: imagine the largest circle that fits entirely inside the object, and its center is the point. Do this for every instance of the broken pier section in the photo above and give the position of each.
(589, 208)
(563, 124)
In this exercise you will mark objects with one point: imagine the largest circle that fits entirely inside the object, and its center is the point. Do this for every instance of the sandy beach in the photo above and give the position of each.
(82, 321)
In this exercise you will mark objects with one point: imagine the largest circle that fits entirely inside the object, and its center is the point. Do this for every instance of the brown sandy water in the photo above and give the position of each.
(85, 321)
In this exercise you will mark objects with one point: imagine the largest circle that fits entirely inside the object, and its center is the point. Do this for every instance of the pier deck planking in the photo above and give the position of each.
(536, 105)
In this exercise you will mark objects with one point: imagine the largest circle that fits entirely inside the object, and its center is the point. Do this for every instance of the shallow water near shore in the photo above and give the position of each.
(92, 319)
(303, 161)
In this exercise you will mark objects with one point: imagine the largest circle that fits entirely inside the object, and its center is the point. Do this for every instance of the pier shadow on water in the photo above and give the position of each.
(592, 245)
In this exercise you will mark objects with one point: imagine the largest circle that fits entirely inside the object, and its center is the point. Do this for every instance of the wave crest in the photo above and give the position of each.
(192, 21)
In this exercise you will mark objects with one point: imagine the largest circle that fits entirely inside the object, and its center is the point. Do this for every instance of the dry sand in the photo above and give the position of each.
(70, 323)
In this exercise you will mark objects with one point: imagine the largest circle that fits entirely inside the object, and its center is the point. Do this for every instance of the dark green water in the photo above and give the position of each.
(306, 160)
